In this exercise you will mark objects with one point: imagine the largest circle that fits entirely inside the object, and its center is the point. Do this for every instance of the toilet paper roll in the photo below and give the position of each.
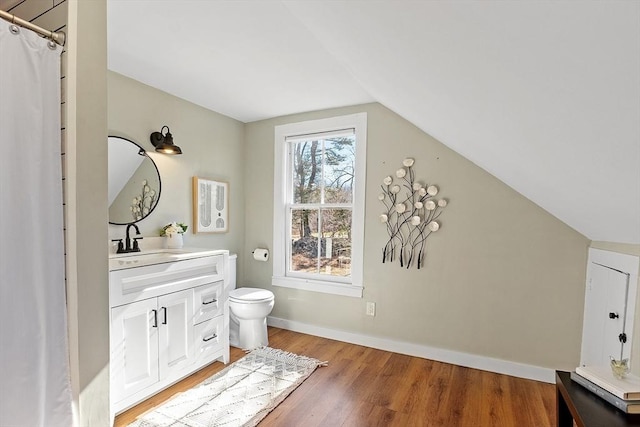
(261, 254)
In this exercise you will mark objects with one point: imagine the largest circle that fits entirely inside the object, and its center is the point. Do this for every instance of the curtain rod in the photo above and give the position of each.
(58, 37)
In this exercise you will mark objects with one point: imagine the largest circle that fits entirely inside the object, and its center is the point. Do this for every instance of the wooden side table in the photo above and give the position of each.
(576, 403)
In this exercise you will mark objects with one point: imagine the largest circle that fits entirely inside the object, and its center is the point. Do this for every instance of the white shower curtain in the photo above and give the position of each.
(35, 388)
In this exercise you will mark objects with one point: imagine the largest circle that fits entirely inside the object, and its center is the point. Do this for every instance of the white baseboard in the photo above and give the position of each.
(484, 363)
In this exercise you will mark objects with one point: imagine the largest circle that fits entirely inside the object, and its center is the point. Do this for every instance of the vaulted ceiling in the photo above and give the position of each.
(544, 95)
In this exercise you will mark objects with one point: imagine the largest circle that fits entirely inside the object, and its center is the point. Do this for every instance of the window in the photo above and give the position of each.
(319, 205)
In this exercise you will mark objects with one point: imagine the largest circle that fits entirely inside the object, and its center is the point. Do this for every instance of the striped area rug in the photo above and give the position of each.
(241, 394)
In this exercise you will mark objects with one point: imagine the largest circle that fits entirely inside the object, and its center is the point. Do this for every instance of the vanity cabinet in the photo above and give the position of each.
(167, 321)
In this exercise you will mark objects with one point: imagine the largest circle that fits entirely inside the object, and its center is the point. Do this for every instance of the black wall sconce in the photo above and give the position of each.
(164, 143)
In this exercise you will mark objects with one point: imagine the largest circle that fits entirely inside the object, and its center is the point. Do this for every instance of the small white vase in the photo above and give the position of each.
(175, 241)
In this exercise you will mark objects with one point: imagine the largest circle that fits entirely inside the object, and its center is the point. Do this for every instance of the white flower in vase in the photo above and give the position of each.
(388, 180)
(400, 208)
(173, 228)
(173, 232)
(408, 162)
(401, 173)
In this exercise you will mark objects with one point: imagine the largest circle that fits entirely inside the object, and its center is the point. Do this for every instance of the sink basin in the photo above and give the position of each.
(137, 259)
(146, 254)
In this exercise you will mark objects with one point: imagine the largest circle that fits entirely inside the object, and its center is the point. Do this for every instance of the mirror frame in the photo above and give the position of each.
(157, 172)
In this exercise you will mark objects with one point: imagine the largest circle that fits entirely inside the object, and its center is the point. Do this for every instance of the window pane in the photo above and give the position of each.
(335, 246)
(304, 240)
(307, 164)
(339, 160)
(334, 255)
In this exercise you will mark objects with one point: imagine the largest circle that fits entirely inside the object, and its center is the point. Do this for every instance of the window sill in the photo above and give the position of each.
(324, 287)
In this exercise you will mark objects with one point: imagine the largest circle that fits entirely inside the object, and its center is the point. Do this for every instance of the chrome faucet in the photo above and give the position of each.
(129, 246)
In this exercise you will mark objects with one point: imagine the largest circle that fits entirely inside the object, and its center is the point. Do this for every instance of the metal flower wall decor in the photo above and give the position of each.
(142, 204)
(410, 217)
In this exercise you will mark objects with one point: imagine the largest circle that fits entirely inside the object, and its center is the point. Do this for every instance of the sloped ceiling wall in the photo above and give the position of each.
(543, 95)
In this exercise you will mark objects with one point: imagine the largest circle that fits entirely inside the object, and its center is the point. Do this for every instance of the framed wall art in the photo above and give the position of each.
(210, 206)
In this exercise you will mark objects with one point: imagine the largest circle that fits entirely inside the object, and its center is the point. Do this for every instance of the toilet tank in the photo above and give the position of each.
(233, 260)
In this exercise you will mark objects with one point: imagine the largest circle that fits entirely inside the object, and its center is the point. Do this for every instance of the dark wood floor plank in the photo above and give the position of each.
(363, 386)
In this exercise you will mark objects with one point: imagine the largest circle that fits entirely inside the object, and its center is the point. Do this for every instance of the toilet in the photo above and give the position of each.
(248, 311)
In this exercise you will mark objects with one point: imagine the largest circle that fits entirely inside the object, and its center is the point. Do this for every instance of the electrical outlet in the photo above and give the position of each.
(371, 309)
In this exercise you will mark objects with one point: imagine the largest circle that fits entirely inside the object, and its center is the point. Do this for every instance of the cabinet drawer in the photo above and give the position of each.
(208, 302)
(209, 339)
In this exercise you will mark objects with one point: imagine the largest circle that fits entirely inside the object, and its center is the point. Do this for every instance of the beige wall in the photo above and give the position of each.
(86, 111)
(503, 278)
(212, 146)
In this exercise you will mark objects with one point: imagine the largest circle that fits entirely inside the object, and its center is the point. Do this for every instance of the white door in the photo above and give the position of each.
(176, 343)
(134, 348)
(605, 318)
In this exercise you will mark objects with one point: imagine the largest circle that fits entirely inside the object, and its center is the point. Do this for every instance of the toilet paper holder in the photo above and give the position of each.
(260, 254)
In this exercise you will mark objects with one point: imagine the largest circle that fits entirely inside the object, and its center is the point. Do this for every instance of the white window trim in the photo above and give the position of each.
(281, 172)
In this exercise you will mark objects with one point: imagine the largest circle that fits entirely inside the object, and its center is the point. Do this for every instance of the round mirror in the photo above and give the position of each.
(134, 182)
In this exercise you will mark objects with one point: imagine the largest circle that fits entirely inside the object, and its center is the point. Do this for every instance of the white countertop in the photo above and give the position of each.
(158, 256)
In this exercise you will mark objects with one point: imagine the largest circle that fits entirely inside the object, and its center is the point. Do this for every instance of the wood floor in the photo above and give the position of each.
(362, 386)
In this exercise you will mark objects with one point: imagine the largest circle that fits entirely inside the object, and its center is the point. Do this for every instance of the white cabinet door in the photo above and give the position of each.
(176, 343)
(134, 348)
(606, 296)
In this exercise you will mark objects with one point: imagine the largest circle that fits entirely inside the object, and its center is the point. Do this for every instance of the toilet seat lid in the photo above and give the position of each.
(250, 295)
